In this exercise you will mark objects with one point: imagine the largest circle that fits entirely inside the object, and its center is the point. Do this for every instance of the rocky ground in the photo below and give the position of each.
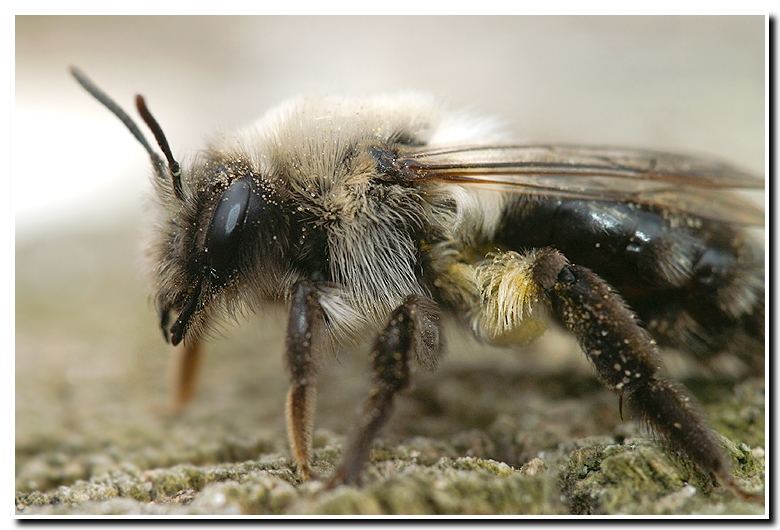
(491, 432)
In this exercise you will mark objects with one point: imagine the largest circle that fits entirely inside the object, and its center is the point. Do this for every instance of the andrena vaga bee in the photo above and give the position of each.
(380, 214)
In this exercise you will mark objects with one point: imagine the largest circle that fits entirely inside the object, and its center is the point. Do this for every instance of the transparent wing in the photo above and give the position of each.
(671, 182)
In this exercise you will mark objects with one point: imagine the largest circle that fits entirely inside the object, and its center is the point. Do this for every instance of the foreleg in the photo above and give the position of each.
(303, 338)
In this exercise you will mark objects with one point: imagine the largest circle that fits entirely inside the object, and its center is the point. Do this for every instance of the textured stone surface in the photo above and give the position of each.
(491, 432)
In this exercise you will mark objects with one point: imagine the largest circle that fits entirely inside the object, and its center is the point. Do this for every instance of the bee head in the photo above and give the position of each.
(222, 231)
(220, 243)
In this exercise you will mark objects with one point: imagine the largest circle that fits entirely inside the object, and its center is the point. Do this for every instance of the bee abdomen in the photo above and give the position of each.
(623, 242)
(696, 284)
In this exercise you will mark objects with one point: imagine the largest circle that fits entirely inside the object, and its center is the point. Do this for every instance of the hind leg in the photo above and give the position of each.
(623, 353)
(627, 360)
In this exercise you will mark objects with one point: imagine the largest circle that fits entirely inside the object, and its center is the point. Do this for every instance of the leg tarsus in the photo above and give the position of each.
(300, 405)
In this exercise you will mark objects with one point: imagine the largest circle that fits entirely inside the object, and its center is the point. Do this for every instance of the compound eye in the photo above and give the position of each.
(227, 223)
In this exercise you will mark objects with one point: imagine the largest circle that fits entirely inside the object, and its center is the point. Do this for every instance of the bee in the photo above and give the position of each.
(381, 215)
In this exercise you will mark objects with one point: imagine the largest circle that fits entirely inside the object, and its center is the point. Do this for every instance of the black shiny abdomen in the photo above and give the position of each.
(631, 247)
(675, 273)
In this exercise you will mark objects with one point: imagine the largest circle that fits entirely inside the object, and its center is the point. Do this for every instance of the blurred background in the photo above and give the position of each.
(679, 83)
(91, 367)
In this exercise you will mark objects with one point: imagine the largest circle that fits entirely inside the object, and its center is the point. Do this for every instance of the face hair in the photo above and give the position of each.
(159, 135)
(117, 111)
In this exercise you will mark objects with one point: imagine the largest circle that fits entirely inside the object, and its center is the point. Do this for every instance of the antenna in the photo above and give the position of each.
(117, 111)
(173, 166)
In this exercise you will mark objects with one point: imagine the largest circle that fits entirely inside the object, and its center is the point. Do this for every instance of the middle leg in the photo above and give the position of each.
(413, 331)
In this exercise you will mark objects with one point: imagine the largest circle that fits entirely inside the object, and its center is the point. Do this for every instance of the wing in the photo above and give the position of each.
(675, 183)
